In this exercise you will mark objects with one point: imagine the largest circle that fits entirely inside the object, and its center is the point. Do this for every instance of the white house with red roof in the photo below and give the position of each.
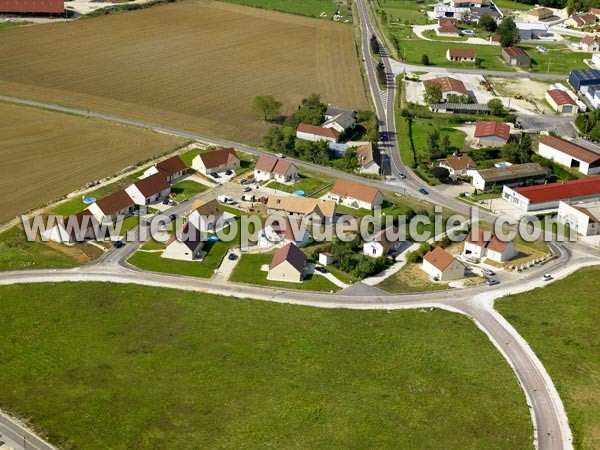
(448, 86)
(355, 195)
(316, 133)
(171, 168)
(580, 156)
(458, 166)
(442, 266)
(219, 160)
(583, 218)
(485, 245)
(590, 43)
(548, 196)
(148, 190)
(491, 134)
(278, 169)
(461, 54)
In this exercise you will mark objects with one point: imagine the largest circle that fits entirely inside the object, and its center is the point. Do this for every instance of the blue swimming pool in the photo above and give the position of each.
(299, 193)
(467, 31)
(88, 200)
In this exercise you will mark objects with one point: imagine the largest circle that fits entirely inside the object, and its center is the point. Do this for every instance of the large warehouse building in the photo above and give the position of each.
(585, 77)
(571, 154)
(548, 196)
(32, 6)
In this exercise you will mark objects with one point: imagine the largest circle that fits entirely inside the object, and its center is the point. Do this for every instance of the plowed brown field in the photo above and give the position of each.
(44, 155)
(195, 64)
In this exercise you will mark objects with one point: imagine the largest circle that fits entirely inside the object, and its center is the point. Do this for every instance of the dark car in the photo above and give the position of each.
(173, 216)
(118, 244)
(228, 172)
(320, 269)
(247, 189)
(423, 191)
(232, 257)
(214, 174)
(165, 201)
(401, 175)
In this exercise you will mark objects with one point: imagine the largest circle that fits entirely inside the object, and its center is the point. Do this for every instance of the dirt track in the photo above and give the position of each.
(195, 64)
(46, 155)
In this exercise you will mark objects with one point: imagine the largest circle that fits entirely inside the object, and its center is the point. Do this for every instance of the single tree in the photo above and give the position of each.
(444, 145)
(441, 173)
(509, 34)
(267, 106)
(488, 23)
(496, 107)
(433, 94)
(570, 7)
(511, 153)
(425, 60)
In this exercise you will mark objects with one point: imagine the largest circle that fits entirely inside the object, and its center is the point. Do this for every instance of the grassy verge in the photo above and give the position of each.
(560, 323)
(411, 278)
(75, 204)
(156, 368)
(248, 271)
(309, 8)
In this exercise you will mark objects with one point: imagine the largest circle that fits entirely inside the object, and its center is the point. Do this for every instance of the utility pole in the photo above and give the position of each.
(549, 61)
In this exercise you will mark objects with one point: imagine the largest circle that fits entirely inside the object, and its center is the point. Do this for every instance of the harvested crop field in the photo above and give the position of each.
(46, 155)
(196, 65)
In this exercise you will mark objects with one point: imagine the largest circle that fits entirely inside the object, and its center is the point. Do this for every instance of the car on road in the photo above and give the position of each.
(243, 180)
(118, 244)
(320, 269)
(214, 174)
(228, 172)
(247, 189)
(232, 257)
(280, 155)
(491, 281)
(546, 277)
(401, 175)
(488, 273)
(423, 191)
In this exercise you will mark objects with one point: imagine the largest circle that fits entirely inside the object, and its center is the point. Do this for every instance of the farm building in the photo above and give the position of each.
(461, 55)
(442, 266)
(585, 159)
(287, 264)
(441, 10)
(592, 93)
(355, 195)
(548, 196)
(590, 43)
(539, 14)
(515, 175)
(466, 3)
(206, 216)
(491, 134)
(586, 77)
(478, 245)
(219, 160)
(32, 6)
(296, 207)
(581, 20)
(448, 86)
(530, 31)
(460, 108)
(382, 243)
(148, 190)
(369, 159)
(271, 168)
(458, 166)
(339, 119)
(171, 168)
(516, 56)
(315, 133)
(112, 206)
(583, 218)
(447, 30)
(561, 101)
(75, 228)
(185, 245)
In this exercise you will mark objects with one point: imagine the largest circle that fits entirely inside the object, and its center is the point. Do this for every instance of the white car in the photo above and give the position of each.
(546, 277)
(280, 155)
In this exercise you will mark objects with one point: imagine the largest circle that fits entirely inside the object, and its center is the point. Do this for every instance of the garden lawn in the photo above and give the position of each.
(560, 322)
(306, 184)
(405, 10)
(186, 189)
(421, 127)
(248, 271)
(411, 278)
(128, 366)
(560, 58)
(309, 8)
(75, 204)
(16, 252)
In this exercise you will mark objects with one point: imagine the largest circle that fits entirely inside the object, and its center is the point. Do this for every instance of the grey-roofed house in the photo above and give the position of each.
(185, 245)
(514, 175)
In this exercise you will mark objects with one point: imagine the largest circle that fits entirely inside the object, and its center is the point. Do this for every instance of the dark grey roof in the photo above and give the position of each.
(586, 74)
(333, 111)
(463, 106)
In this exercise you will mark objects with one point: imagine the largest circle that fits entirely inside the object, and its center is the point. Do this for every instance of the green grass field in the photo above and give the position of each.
(186, 189)
(405, 11)
(127, 366)
(306, 184)
(248, 271)
(558, 59)
(508, 5)
(309, 8)
(17, 253)
(75, 204)
(560, 322)
(421, 127)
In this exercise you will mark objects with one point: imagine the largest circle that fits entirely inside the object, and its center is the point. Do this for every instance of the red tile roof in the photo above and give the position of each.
(218, 157)
(171, 166)
(115, 202)
(32, 6)
(514, 51)
(446, 21)
(346, 188)
(493, 243)
(571, 149)
(448, 29)
(439, 258)
(561, 97)
(462, 53)
(590, 38)
(492, 128)
(271, 164)
(152, 185)
(584, 187)
(291, 254)
(447, 84)
(459, 163)
(585, 19)
(319, 131)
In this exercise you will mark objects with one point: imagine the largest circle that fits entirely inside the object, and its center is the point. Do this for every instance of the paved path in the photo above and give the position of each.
(16, 435)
